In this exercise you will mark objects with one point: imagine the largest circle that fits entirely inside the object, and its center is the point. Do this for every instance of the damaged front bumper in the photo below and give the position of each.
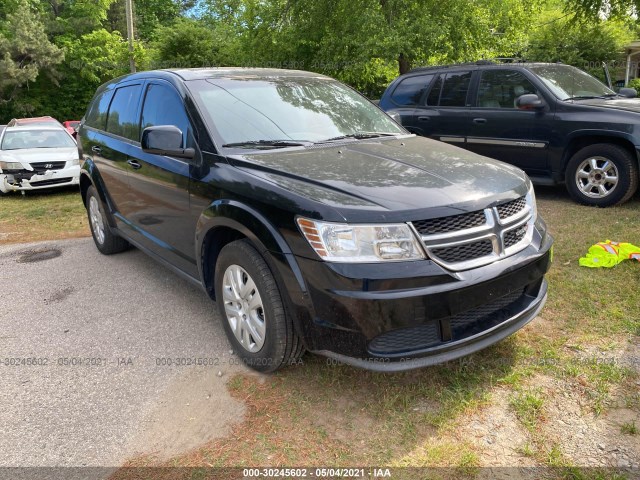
(13, 180)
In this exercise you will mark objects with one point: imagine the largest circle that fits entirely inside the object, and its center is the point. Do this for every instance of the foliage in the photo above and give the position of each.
(586, 45)
(25, 50)
(362, 42)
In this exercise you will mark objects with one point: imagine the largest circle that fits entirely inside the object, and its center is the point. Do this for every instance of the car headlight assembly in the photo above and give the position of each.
(341, 242)
(11, 166)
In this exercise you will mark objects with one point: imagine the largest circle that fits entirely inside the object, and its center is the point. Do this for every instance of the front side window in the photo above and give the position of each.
(163, 106)
(122, 119)
(501, 88)
(410, 90)
(253, 109)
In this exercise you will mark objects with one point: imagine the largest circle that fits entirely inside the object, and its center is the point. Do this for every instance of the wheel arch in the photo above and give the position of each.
(225, 221)
(584, 139)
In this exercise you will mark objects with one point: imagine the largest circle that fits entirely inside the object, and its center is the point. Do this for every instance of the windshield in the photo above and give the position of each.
(287, 110)
(15, 140)
(570, 82)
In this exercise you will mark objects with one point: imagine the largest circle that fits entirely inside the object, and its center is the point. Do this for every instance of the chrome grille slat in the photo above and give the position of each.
(474, 239)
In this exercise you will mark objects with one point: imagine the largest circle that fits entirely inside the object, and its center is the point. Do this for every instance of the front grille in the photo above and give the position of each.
(41, 167)
(471, 240)
(460, 326)
(462, 253)
(55, 181)
(510, 209)
(451, 223)
(515, 236)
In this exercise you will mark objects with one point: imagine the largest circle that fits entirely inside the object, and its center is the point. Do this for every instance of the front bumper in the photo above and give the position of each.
(10, 182)
(401, 316)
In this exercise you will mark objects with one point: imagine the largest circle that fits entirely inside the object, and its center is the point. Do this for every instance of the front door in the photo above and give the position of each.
(499, 130)
(159, 185)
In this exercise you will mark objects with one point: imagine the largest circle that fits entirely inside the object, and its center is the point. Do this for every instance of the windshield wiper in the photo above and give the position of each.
(360, 136)
(267, 143)
(589, 97)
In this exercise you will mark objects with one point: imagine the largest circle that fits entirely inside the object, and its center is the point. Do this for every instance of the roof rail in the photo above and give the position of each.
(464, 64)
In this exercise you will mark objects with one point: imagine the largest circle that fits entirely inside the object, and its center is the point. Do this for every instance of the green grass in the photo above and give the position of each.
(55, 214)
(335, 415)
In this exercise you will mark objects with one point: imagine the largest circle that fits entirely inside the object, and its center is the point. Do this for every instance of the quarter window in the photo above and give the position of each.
(97, 114)
(410, 90)
(501, 88)
(123, 119)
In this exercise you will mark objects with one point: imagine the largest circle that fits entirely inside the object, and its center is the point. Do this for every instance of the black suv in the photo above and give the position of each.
(312, 218)
(556, 122)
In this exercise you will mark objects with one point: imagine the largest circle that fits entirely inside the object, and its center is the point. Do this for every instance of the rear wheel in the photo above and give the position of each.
(105, 241)
(602, 175)
(252, 310)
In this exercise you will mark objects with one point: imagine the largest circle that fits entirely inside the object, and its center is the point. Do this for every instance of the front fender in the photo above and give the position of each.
(259, 230)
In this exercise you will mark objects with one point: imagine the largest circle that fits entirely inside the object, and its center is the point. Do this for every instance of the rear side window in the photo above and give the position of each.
(97, 114)
(434, 94)
(123, 118)
(163, 106)
(410, 90)
(454, 89)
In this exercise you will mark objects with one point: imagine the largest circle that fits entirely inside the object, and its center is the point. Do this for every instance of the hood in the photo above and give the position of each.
(33, 155)
(387, 174)
(627, 104)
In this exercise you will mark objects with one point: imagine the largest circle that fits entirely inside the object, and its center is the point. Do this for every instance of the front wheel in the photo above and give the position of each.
(602, 175)
(252, 310)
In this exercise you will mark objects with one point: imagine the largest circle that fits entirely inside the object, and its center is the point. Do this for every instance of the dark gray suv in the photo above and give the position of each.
(556, 122)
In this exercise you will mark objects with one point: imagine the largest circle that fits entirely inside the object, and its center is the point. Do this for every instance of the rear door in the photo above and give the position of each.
(159, 185)
(500, 130)
(443, 113)
(404, 98)
(109, 140)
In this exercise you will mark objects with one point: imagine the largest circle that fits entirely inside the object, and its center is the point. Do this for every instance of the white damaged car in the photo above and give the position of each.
(35, 157)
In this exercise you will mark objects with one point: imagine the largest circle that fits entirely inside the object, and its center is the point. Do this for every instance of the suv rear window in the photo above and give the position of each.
(123, 113)
(454, 90)
(410, 90)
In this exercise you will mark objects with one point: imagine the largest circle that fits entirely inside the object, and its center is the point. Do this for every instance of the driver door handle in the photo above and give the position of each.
(135, 165)
(479, 120)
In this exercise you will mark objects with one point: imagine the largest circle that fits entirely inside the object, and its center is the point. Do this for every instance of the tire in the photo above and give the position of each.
(258, 328)
(602, 175)
(106, 242)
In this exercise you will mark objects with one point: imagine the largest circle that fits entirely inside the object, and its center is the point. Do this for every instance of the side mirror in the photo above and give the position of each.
(628, 92)
(529, 101)
(165, 140)
(395, 116)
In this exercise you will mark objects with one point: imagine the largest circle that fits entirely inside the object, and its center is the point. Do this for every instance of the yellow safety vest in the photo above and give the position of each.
(609, 254)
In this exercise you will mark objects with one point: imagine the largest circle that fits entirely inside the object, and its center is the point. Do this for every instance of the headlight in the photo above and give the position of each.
(74, 161)
(340, 242)
(11, 166)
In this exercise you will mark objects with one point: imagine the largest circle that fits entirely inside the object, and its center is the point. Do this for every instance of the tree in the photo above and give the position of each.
(25, 51)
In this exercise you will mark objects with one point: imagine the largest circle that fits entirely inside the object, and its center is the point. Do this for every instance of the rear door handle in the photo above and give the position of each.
(135, 165)
(424, 119)
(479, 120)
(96, 149)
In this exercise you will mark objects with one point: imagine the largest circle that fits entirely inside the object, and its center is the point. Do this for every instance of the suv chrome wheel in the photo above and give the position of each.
(243, 307)
(597, 177)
